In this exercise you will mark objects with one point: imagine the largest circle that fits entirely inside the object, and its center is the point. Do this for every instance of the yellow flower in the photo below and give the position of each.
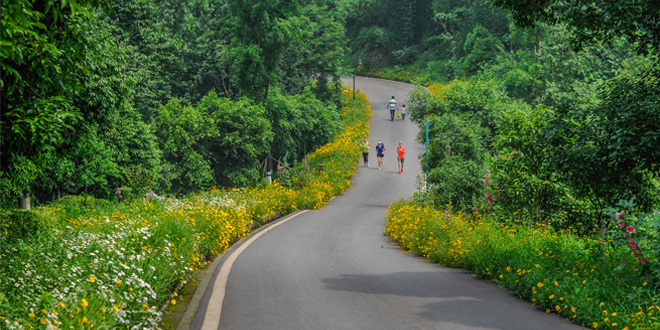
(31, 315)
(62, 304)
(84, 303)
(92, 279)
(614, 314)
(556, 284)
(539, 284)
(573, 309)
(547, 310)
(85, 320)
(145, 307)
(551, 296)
(173, 302)
(595, 325)
(115, 308)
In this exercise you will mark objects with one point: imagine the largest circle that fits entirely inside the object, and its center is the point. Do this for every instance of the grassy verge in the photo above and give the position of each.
(558, 272)
(114, 265)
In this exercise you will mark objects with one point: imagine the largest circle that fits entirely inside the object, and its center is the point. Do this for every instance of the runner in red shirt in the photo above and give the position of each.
(401, 150)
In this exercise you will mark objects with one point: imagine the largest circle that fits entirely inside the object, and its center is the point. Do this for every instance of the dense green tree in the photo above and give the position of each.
(521, 168)
(481, 49)
(482, 100)
(300, 123)
(216, 142)
(456, 160)
(243, 141)
(317, 54)
(382, 31)
(60, 106)
(262, 30)
(178, 47)
(591, 21)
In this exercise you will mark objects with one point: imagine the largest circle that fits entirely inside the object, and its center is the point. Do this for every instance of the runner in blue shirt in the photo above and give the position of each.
(380, 154)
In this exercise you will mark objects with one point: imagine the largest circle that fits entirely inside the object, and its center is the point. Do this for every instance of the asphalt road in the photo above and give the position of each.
(335, 269)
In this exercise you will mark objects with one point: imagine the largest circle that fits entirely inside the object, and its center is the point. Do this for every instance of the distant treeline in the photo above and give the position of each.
(113, 98)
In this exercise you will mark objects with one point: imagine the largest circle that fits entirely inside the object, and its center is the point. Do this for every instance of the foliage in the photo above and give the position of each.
(300, 123)
(590, 21)
(316, 55)
(262, 30)
(521, 169)
(481, 100)
(559, 272)
(456, 158)
(20, 225)
(216, 141)
(481, 49)
(382, 31)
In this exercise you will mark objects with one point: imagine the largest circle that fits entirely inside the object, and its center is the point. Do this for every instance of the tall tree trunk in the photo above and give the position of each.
(537, 46)
(24, 203)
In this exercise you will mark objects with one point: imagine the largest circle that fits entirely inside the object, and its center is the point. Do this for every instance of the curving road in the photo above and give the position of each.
(334, 268)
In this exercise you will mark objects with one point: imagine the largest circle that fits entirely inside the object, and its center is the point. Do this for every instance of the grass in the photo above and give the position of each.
(558, 272)
(104, 265)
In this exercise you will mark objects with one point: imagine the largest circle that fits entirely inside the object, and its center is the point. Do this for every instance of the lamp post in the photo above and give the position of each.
(359, 64)
(353, 84)
(427, 157)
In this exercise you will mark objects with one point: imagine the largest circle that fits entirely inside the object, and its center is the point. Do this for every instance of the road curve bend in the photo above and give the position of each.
(335, 269)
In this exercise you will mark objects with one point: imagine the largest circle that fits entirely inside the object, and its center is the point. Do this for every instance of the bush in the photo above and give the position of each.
(405, 55)
(17, 225)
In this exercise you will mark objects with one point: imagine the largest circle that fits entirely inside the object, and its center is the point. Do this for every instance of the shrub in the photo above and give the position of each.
(17, 225)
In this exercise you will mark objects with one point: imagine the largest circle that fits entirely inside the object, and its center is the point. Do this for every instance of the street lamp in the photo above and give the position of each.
(427, 156)
(359, 64)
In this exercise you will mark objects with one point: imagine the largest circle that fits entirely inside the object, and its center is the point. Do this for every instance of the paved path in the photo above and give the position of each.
(334, 268)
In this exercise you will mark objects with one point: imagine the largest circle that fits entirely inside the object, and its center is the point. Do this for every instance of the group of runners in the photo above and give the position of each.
(380, 147)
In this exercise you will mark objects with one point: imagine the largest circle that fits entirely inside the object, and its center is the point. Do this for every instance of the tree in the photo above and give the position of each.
(244, 138)
(481, 49)
(262, 31)
(64, 79)
(216, 142)
(456, 159)
(590, 21)
(317, 54)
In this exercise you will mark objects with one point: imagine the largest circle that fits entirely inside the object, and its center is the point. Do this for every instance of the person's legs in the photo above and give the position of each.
(403, 116)
(392, 114)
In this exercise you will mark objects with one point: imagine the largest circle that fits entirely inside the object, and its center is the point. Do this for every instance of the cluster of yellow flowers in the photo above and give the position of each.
(438, 89)
(523, 259)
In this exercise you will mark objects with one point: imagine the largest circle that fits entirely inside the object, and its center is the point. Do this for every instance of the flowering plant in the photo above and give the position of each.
(639, 233)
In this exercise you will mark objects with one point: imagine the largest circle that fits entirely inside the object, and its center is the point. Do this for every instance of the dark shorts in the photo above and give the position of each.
(365, 156)
(400, 159)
